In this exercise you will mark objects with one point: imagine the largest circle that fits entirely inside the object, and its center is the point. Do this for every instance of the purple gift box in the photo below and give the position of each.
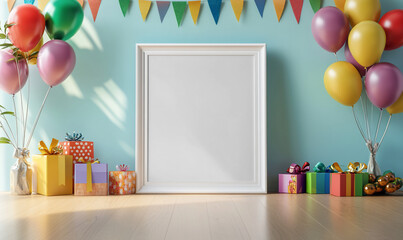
(99, 173)
(291, 183)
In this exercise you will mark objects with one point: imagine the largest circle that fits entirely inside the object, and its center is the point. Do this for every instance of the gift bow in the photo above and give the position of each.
(52, 150)
(352, 167)
(89, 171)
(74, 137)
(296, 169)
(320, 168)
(122, 167)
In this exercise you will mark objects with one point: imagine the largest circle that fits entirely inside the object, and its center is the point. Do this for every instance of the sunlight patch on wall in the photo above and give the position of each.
(71, 88)
(87, 37)
(127, 149)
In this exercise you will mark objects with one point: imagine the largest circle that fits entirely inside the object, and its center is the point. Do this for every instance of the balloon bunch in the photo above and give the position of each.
(23, 44)
(362, 75)
(388, 183)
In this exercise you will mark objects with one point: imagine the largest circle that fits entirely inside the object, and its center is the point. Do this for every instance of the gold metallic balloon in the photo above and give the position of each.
(361, 10)
(396, 107)
(38, 46)
(390, 176)
(372, 178)
(382, 181)
(369, 189)
(390, 188)
(378, 188)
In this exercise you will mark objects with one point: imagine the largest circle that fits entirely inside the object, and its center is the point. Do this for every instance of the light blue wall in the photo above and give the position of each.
(304, 123)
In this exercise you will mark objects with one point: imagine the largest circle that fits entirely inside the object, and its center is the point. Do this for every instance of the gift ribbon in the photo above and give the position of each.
(61, 161)
(122, 167)
(89, 171)
(321, 168)
(296, 169)
(74, 137)
(352, 167)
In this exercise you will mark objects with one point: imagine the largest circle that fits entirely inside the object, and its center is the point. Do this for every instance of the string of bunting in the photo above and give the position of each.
(180, 7)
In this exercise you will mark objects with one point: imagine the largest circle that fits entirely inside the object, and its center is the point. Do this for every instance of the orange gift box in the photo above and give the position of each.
(122, 182)
(78, 149)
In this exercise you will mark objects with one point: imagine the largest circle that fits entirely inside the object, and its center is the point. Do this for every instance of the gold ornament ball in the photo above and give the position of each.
(372, 178)
(369, 189)
(398, 182)
(390, 176)
(378, 188)
(390, 188)
(382, 181)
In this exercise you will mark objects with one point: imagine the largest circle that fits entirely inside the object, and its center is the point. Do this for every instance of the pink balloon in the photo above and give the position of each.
(384, 84)
(9, 81)
(330, 28)
(56, 60)
(350, 59)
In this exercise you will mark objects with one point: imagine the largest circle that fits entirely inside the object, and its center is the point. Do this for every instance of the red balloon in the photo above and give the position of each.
(392, 23)
(29, 26)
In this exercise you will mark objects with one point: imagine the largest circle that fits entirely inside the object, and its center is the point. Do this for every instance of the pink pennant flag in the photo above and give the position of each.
(297, 8)
(94, 6)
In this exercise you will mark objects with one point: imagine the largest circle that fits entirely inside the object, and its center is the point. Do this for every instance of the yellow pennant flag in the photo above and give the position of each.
(194, 8)
(340, 4)
(237, 6)
(279, 7)
(10, 4)
(144, 8)
(42, 4)
(81, 2)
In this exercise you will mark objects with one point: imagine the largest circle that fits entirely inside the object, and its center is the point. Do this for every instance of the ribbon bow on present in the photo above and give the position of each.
(52, 150)
(352, 167)
(89, 171)
(321, 168)
(122, 167)
(74, 137)
(296, 169)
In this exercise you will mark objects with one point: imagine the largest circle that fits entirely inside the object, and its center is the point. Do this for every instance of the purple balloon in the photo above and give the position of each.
(9, 81)
(330, 28)
(56, 60)
(350, 59)
(384, 84)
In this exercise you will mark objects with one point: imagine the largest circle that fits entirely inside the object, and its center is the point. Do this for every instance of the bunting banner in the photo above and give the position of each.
(194, 8)
(179, 9)
(163, 8)
(237, 6)
(124, 6)
(81, 2)
(144, 6)
(10, 4)
(94, 6)
(42, 4)
(29, 2)
(260, 6)
(297, 8)
(279, 7)
(215, 8)
(340, 4)
(315, 4)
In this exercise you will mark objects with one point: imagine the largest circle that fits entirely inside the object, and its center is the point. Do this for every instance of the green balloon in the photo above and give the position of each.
(63, 18)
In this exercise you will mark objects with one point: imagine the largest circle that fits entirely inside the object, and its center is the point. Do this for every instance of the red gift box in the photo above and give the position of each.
(78, 149)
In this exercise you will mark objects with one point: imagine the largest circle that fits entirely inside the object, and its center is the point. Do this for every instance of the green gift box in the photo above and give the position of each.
(318, 182)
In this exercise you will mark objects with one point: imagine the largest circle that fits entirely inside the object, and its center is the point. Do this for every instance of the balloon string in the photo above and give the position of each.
(358, 125)
(4, 130)
(379, 124)
(37, 117)
(16, 119)
(365, 115)
(386, 129)
(337, 59)
(23, 120)
(26, 113)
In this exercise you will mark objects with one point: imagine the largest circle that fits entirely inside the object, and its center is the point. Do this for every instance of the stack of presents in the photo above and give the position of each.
(335, 181)
(69, 167)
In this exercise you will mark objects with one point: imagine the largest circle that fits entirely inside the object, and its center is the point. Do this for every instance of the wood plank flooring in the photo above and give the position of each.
(201, 217)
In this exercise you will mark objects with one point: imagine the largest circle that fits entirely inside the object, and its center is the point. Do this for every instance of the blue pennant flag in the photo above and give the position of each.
(29, 2)
(162, 8)
(215, 8)
(260, 6)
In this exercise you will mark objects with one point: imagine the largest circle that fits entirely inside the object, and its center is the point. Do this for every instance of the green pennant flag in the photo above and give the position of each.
(179, 9)
(315, 4)
(124, 5)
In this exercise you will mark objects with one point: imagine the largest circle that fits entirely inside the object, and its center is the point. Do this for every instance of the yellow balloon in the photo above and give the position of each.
(396, 107)
(343, 83)
(35, 49)
(367, 41)
(362, 10)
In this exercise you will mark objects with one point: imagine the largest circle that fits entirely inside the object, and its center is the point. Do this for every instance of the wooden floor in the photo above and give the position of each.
(192, 217)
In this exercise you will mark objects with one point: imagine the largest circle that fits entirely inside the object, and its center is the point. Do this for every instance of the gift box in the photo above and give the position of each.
(318, 182)
(295, 180)
(91, 179)
(78, 149)
(349, 183)
(122, 182)
(54, 172)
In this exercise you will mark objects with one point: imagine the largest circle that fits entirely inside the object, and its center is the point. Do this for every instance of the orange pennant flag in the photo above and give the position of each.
(94, 6)
(10, 4)
(340, 4)
(81, 2)
(237, 6)
(42, 4)
(279, 7)
(144, 8)
(194, 8)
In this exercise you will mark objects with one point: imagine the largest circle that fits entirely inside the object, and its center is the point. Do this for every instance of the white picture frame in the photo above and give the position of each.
(183, 143)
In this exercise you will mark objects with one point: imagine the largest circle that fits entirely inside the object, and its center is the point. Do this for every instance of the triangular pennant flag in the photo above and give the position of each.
(279, 7)
(124, 6)
(94, 6)
(179, 9)
(237, 6)
(315, 4)
(10, 4)
(81, 2)
(260, 6)
(163, 8)
(297, 8)
(194, 8)
(215, 8)
(340, 4)
(42, 4)
(144, 8)
(29, 1)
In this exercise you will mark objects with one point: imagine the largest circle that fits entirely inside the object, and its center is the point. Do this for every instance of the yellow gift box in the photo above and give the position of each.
(54, 171)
